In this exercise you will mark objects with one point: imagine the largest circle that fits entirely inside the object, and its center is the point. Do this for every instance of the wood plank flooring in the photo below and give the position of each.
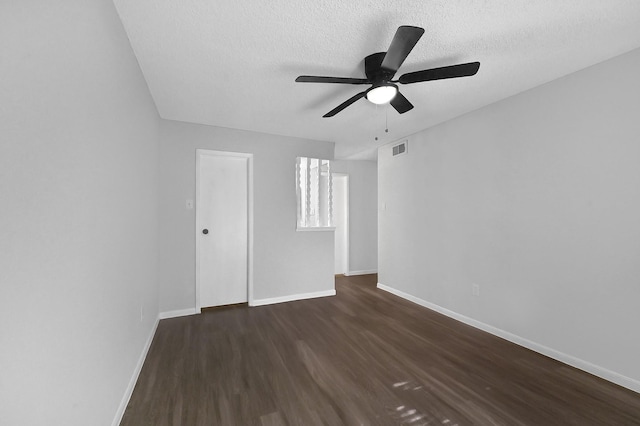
(363, 357)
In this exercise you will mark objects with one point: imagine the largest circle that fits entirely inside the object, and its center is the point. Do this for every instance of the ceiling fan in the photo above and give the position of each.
(381, 67)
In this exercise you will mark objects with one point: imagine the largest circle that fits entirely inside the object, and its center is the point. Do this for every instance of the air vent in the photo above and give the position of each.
(400, 149)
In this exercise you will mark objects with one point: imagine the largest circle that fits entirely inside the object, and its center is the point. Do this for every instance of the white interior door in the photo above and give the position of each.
(340, 192)
(222, 228)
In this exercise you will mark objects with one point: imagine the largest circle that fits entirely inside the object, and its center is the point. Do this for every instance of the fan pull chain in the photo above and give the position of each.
(386, 119)
(375, 137)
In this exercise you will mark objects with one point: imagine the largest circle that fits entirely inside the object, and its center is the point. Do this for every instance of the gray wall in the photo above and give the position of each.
(536, 199)
(78, 215)
(363, 221)
(286, 262)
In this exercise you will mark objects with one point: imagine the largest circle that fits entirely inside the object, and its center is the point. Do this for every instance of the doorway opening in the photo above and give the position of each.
(340, 193)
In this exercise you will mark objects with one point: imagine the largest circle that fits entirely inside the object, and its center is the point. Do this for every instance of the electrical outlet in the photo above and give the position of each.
(475, 289)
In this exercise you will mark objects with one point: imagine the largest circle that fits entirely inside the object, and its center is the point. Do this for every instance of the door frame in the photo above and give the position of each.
(348, 219)
(198, 225)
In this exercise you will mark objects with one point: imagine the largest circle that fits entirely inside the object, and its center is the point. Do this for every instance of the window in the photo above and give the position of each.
(313, 189)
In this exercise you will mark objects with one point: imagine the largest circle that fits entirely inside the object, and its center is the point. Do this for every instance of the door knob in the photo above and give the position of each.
(205, 231)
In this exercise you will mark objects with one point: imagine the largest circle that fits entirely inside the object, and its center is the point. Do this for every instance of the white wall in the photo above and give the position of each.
(78, 213)
(286, 262)
(537, 200)
(363, 221)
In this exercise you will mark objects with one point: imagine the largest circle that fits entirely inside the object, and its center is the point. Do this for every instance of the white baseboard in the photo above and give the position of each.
(134, 378)
(178, 313)
(601, 372)
(293, 297)
(365, 272)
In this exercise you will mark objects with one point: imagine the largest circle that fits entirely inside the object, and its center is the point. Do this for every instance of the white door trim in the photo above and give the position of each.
(346, 225)
(208, 152)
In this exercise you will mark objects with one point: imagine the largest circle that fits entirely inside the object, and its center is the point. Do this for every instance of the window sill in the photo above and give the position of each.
(316, 228)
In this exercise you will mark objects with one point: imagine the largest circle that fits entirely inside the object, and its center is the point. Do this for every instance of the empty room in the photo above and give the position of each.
(319, 212)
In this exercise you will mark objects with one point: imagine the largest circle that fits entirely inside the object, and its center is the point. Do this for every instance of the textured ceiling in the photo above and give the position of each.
(232, 63)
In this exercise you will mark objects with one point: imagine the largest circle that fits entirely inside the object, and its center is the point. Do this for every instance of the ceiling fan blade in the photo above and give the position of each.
(452, 71)
(400, 103)
(345, 104)
(341, 80)
(406, 37)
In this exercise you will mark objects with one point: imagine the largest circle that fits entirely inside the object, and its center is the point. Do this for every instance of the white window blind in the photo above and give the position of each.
(314, 193)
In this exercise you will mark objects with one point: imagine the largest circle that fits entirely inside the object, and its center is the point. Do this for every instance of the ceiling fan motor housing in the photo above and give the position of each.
(373, 69)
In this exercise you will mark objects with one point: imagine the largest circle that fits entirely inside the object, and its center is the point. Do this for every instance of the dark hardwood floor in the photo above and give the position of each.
(363, 357)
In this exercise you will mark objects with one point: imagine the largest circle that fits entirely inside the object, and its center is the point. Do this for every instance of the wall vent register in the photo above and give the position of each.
(400, 149)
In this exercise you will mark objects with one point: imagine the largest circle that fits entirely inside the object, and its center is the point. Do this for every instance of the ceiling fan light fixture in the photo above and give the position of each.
(382, 94)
